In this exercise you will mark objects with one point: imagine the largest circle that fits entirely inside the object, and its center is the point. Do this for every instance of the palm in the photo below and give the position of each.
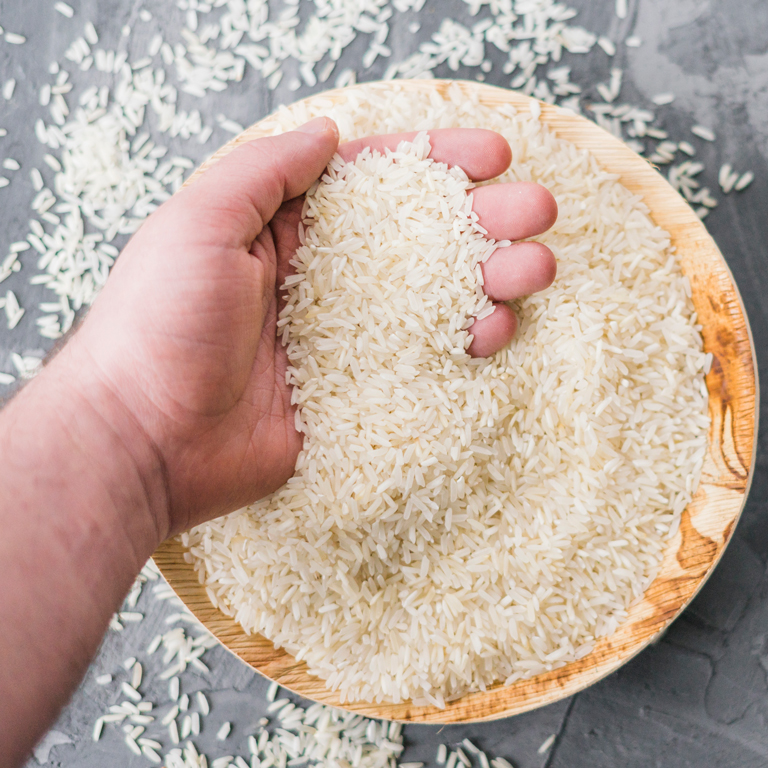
(209, 367)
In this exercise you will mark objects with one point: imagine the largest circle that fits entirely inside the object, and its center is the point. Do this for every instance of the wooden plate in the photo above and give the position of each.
(707, 523)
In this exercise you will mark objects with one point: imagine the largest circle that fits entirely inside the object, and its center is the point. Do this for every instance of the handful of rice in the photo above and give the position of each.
(457, 522)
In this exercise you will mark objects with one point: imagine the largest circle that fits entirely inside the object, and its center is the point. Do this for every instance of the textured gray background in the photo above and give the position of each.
(700, 696)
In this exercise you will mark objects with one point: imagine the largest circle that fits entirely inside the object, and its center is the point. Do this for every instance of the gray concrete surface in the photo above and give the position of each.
(700, 696)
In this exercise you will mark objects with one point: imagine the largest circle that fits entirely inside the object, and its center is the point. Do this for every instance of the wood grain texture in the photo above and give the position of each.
(707, 523)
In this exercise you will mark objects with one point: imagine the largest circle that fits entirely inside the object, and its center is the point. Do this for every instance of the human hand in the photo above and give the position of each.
(181, 344)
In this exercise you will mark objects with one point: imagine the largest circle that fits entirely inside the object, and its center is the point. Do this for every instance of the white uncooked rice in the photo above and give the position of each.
(546, 744)
(454, 523)
(703, 132)
(661, 99)
(64, 9)
(8, 88)
(744, 181)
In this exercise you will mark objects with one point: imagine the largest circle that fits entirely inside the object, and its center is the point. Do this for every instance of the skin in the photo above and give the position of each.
(169, 407)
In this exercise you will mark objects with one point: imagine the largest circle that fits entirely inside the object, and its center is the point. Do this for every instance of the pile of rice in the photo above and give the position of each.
(452, 522)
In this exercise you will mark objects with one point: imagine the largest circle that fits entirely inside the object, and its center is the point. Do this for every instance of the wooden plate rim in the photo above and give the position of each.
(698, 552)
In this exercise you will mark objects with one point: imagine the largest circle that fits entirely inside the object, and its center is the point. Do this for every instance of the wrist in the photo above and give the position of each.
(70, 419)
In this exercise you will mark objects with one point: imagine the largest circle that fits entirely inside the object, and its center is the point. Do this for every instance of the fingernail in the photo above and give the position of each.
(318, 125)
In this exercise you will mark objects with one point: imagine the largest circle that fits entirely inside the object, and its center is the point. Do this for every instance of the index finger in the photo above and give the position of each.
(480, 153)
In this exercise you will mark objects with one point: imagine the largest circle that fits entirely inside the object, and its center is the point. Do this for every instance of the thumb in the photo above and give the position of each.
(241, 193)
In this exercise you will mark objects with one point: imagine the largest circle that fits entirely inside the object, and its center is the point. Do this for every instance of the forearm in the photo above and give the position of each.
(80, 499)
